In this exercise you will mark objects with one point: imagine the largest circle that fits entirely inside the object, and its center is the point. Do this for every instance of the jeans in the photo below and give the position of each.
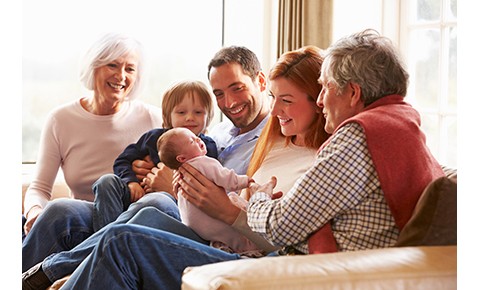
(61, 264)
(136, 257)
(154, 218)
(66, 224)
(63, 224)
(112, 197)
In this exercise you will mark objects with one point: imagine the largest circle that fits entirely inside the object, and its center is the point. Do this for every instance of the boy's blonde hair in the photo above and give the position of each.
(176, 94)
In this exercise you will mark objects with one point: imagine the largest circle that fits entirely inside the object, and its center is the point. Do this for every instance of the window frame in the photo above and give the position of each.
(444, 115)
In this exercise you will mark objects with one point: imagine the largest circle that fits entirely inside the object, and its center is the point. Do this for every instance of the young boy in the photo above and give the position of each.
(187, 104)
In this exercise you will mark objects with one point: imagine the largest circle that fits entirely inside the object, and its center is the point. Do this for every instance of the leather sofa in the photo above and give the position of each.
(431, 267)
(425, 257)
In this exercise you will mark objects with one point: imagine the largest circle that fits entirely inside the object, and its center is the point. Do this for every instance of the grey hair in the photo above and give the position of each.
(369, 60)
(108, 48)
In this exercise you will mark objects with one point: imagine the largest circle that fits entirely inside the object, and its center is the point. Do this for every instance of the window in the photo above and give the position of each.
(426, 33)
(179, 37)
(429, 41)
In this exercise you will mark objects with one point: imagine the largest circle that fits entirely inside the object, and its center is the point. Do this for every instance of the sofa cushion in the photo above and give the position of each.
(434, 221)
(392, 268)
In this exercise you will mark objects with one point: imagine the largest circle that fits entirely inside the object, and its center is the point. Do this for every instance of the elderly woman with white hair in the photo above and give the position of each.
(84, 137)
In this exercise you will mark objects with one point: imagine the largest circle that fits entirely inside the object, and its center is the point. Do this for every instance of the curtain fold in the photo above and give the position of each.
(304, 22)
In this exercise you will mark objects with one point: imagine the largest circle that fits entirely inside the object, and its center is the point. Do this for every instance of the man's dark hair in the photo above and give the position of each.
(237, 54)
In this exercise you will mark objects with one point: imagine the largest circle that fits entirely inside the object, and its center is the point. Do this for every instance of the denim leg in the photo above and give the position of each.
(63, 224)
(153, 218)
(137, 257)
(112, 197)
(58, 265)
(163, 201)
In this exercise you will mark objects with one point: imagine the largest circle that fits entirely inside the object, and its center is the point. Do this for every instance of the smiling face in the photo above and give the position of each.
(190, 114)
(115, 80)
(238, 96)
(295, 111)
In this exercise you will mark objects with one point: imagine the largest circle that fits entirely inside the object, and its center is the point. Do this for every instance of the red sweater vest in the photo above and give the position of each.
(403, 162)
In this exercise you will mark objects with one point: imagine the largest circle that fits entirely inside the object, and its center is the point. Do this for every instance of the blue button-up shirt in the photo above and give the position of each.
(234, 151)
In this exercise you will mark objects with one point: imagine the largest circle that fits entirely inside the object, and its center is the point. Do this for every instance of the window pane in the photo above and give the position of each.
(452, 11)
(441, 137)
(452, 92)
(353, 16)
(430, 126)
(179, 43)
(424, 67)
(427, 10)
(450, 142)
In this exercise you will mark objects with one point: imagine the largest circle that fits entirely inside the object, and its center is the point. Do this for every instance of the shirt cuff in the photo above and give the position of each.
(259, 196)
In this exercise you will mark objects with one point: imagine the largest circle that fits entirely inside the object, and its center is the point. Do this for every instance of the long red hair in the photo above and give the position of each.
(302, 67)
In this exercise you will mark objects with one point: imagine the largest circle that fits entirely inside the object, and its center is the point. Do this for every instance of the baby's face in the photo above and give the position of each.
(191, 145)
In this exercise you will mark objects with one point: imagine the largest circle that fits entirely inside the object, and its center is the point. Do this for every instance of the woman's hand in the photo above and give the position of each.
(160, 178)
(142, 167)
(31, 218)
(205, 194)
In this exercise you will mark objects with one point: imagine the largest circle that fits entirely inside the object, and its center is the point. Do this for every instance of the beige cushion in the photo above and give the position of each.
(392, 268)
(60, 189)
(59, 283)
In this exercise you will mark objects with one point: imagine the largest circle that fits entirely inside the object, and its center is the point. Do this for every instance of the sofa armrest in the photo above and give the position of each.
(60, 189)
(392, 268)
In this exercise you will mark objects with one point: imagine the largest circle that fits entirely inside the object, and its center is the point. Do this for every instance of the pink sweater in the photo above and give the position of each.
(404, 164)
(205, 226)
(85, 146)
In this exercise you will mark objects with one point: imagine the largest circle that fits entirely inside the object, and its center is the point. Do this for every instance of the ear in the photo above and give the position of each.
(181, 158)
(355, 94)
(262, 81)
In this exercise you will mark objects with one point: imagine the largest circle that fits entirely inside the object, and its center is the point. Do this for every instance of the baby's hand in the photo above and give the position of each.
(267, 188)
(136, 191)
(238, 201)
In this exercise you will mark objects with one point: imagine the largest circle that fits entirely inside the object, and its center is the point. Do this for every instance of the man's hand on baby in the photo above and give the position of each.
(175, 183)
(159, 179)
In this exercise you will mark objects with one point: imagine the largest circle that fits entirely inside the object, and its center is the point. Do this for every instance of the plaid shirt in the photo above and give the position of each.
(342, 186)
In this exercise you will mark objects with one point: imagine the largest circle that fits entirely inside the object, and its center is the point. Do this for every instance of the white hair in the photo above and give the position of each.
(107, 49)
